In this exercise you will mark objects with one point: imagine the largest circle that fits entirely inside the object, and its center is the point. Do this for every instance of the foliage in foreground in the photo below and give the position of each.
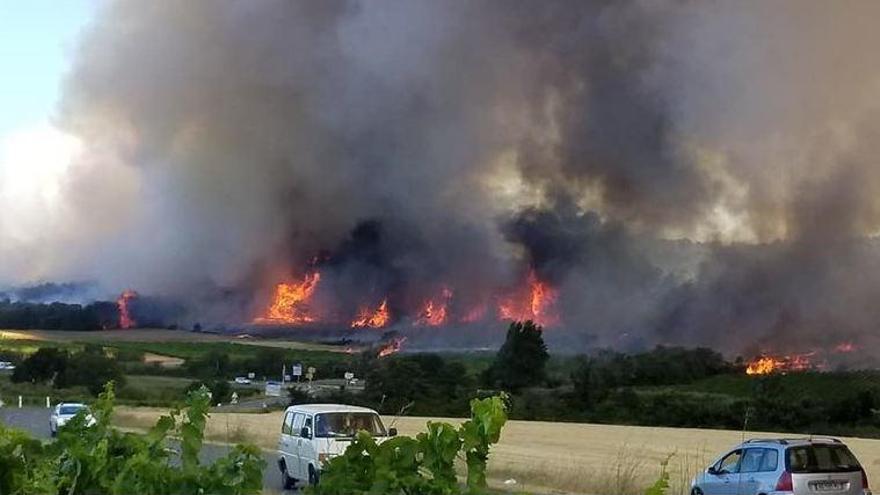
(421, 465)
(99, 460)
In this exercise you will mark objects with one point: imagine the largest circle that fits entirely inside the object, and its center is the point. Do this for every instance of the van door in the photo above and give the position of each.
(302, 471)
(286, 445)
(308, 452)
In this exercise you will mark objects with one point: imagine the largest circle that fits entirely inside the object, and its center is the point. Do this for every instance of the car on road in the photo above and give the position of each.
(312, 434)
(66, 411)
(6, 366)
(242, 380)
(777, 466)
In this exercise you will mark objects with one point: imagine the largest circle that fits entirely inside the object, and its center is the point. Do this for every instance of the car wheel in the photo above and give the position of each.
(696, 491)
(286, 481)
(313, 476)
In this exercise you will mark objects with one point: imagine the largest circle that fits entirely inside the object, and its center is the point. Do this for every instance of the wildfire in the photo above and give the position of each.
(845, 348)
(393, 346)
(764, 365)
(126, 319)
(434, 312)
(373, 319)
(537, 305)
(476, 313)
(290, 303)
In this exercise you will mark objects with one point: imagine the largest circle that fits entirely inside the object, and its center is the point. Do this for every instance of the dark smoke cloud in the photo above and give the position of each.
(684, 172)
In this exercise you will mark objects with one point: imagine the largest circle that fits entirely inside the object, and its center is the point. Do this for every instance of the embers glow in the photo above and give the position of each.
(433, 313)
(393, 346)
(538, 304)
(377, 318)
(845, 348)
(766, 364)
(290, 304)
(126, 320)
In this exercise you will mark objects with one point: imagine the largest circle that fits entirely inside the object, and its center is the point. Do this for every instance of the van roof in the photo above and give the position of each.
(793, 441)
(328, 408)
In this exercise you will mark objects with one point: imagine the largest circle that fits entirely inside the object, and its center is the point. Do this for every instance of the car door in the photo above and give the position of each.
(723, 477)
(302, 472)
(758, 471)
(286, 444)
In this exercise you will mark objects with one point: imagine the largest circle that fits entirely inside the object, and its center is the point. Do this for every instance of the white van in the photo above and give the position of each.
(311, 434)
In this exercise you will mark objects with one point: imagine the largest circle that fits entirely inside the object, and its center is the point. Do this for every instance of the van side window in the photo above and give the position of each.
(730, 463)
(309, 424)
(298, 421)
(286, 425)
(751, 460)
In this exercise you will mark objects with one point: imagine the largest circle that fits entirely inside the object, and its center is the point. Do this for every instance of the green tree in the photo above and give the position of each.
(41, 366)
(522, 360)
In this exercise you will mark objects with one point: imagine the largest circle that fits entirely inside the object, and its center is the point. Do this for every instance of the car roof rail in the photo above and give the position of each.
(782, 441)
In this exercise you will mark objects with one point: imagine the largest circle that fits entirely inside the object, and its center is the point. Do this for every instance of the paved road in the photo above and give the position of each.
(36, 421)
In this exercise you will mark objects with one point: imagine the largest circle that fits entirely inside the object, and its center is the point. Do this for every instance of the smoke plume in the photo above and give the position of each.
(682, 172)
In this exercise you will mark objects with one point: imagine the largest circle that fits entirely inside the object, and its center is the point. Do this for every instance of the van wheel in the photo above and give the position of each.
(313, 476)
(286, 481)
(696, 491)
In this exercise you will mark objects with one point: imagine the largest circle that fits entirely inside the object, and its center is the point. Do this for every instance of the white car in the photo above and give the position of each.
(6, 366)
(312, 434)
(64, 412)
(241, 380)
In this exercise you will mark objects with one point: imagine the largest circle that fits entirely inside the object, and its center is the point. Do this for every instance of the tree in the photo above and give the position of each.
(41, 366)
(522, 360)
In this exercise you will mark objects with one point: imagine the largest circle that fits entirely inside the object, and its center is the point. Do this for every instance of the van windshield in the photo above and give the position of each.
(821, 459)
(345, 424)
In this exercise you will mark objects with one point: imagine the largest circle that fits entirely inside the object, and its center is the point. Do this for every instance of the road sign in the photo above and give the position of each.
(297, 370)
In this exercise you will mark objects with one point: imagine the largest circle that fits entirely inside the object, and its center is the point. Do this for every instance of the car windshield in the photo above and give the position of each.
(345, 424)
(70, 410)
(821, 459)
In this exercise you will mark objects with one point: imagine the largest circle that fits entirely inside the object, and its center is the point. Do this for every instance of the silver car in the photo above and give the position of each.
(802, 466)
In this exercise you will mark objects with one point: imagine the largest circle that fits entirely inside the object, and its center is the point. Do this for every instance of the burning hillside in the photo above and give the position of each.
(624, 173)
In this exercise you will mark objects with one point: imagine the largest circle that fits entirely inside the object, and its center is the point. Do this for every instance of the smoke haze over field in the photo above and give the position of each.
(698, 173)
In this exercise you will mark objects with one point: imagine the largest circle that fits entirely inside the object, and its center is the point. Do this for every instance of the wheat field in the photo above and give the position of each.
(546, 457)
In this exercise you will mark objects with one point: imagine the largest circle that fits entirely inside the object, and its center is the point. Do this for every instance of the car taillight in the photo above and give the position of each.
(784, 483)
(864, 479)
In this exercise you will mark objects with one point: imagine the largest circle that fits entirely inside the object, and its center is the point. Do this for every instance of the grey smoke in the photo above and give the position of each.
(685, 172)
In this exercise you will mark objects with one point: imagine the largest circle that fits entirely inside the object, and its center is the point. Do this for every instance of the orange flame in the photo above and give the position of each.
(764, 365)
(126, 320)
(392, 347)
(434, 312)
(290, 303)
(476, 313)
(537, 305)
(372, 319)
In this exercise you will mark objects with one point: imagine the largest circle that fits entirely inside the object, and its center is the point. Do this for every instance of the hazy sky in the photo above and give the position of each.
(37, 38)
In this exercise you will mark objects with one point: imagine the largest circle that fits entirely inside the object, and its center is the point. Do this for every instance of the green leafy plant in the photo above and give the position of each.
(661, 486)
(98, 459)
(421, 465)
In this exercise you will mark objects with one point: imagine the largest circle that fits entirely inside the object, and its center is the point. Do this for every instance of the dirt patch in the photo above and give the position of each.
(163, 361)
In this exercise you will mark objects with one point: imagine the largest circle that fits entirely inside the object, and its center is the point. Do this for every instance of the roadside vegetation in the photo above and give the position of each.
(101, 460)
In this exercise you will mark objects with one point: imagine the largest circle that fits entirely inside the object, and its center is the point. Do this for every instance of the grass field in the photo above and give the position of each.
(156, 335)
(547, 457)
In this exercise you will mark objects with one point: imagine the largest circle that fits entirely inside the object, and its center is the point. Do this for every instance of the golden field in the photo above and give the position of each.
(154, 335)
(546, 457)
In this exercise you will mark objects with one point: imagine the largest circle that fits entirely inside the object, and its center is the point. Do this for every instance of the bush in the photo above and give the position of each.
(425, 464)
(100, 460)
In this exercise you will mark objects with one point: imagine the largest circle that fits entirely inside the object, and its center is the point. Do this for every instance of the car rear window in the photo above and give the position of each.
(821, 459)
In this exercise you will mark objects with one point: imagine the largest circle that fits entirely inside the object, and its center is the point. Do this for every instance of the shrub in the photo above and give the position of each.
(99, 460)
(425, 464)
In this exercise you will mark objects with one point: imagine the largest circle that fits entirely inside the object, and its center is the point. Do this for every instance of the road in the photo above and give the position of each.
(36, 421)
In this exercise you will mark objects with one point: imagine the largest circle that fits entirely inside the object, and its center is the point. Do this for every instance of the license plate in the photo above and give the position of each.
(827, 486)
